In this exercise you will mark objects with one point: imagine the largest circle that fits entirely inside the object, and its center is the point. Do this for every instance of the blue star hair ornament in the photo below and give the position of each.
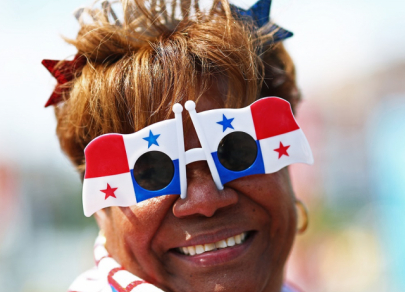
(260, 14)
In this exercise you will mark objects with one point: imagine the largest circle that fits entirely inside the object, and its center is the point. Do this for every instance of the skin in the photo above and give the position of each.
(144, 238)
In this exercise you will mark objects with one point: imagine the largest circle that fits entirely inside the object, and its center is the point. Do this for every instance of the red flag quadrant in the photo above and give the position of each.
(105, 156)
(272, 116)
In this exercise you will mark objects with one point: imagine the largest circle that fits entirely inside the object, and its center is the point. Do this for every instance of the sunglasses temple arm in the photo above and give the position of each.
(178, 109)
(190, 107)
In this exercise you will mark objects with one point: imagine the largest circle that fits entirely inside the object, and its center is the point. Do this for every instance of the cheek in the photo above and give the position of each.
(274, 194)
(271, 191)
(130, 231)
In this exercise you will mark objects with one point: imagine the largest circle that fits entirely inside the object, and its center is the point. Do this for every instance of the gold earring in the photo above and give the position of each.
(304, 212)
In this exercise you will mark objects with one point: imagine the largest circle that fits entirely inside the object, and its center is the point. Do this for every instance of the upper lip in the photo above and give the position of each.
(210, 237)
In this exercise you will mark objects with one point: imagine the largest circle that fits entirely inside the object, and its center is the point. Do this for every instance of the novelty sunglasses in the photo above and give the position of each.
(122, 170)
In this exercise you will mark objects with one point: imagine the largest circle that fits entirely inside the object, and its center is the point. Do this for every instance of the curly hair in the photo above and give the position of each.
(139, 67)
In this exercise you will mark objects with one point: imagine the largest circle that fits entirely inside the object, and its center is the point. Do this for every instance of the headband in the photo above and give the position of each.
(123, 170)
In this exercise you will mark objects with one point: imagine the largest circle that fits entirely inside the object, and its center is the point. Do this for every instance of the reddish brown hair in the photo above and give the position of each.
(137, 70)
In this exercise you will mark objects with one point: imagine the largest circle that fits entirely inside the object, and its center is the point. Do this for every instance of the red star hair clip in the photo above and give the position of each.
(63, 71)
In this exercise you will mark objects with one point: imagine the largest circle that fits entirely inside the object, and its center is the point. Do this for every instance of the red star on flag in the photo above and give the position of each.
(109, 192)
(282, 150)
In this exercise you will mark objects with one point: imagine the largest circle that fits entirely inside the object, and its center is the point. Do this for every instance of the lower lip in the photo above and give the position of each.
(219, 256)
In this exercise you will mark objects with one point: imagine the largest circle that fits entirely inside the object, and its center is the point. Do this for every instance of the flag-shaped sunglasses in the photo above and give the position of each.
(122, 170)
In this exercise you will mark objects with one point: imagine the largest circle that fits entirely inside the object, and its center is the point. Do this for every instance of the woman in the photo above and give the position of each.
(128, 74)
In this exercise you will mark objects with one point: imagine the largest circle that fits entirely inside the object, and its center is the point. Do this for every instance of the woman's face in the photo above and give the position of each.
(148, 239)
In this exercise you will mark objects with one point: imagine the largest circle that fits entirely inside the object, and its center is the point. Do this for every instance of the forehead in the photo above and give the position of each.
(208, 93)
(213, 98)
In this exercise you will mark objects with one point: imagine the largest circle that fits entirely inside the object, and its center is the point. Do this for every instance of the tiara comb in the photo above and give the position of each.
(65, 71)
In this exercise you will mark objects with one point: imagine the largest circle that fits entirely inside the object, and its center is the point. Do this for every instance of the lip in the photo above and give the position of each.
(215, 257)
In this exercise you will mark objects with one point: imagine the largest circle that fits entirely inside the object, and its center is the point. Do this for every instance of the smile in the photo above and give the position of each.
(221, 244)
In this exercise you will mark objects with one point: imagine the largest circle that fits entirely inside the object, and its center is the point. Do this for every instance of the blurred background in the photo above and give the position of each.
(350, 58)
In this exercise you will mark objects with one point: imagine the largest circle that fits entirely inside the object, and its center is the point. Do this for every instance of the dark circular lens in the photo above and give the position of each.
(237, 151)
(153, 170)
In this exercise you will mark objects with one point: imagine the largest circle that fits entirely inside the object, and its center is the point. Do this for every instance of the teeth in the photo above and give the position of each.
(230, 241)
(199, 249)
(221, 244)
(209, 246)
(191, 250)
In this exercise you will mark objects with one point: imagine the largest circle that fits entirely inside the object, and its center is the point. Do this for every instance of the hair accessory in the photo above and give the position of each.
(109, 11)
(63, 71)
(123, 170)
(260, 13)
(78, 13)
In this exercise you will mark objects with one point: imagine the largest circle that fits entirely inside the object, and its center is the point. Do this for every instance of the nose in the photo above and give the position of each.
(203, 197)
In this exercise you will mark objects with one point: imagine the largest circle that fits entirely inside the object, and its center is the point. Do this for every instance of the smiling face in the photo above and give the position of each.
(235, 239)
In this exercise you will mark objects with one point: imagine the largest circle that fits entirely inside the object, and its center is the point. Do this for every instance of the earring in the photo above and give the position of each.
(302, 210)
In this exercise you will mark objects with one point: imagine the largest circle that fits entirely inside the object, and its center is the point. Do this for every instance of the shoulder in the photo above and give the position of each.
(90, 281)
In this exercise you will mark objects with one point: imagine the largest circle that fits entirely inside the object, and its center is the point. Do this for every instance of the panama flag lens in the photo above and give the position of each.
(261, 138)
(122, 170)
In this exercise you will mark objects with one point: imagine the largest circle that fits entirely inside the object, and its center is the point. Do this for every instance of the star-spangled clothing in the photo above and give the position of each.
(226, 123)
(109, 276)
(152, 139)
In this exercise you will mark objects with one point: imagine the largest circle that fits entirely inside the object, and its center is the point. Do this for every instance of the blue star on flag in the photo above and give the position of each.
(152, 139)
(226, 123)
